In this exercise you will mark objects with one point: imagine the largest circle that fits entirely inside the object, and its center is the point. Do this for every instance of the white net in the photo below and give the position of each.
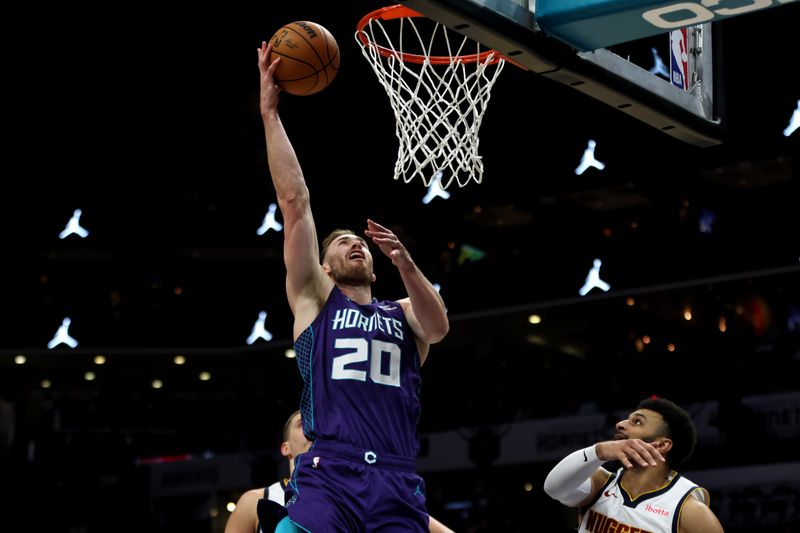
(438, 91)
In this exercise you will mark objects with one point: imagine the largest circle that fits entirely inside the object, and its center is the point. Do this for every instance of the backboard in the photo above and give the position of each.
(659, 62)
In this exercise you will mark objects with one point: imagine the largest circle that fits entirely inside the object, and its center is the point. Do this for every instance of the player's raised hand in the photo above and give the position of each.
(388, 243)
(629, 452)
(269, 89)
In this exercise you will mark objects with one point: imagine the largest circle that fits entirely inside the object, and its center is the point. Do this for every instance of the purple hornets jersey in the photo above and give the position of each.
(360, 369)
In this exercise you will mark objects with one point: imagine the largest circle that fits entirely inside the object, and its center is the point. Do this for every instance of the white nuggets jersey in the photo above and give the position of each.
(659, 511)
(275, 492)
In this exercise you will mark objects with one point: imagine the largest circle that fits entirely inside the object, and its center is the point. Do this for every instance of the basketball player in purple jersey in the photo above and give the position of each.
(359, 359)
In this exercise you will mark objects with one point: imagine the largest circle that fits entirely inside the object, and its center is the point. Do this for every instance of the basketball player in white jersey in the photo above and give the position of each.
(647, 494)
(244, 518)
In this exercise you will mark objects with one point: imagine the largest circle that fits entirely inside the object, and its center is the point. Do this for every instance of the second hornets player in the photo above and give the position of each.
(359, 359)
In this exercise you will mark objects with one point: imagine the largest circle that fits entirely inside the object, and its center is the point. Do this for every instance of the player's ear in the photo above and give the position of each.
(373, 278)
(663, 445)
(285, 449)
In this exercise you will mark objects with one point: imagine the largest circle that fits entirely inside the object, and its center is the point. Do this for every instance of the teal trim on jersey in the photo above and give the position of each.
(287, 526)
(311, 381)
(594, 24)
(304, 349)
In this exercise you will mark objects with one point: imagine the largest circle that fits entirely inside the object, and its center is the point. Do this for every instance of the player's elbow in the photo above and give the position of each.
(443, 331)
(571, 497)
(438, 332)
(550, 487)
(433, 335)
(294, 199)
(554, 489)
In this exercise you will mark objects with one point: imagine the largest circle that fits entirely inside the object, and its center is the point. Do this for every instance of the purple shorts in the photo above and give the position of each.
(336, 487)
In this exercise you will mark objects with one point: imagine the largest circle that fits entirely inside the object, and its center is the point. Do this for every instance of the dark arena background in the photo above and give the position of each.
(145, 118)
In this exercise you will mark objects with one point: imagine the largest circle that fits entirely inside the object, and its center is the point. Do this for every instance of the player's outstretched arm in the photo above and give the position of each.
(424, 307)
(305, 280)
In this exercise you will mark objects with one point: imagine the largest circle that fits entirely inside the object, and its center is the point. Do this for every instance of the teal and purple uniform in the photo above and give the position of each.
(360, 405)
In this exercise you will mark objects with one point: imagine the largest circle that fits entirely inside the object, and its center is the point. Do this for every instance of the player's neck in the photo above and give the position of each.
(361, 294)
(639, 480)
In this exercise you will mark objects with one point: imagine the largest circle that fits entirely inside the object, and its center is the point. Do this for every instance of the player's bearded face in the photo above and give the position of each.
(350, 264)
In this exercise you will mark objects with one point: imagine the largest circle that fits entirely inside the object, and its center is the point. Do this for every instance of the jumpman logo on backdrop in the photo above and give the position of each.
(793, 320)
(435, 189)
(794, 122)
(74, 226)
(269, 221)
(62, 336)
(707, 219)
(658, 68)
(588, 160)
(593, 280)
(259, 329)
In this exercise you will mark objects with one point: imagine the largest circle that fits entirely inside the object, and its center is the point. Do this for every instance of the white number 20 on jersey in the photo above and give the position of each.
(361, 352)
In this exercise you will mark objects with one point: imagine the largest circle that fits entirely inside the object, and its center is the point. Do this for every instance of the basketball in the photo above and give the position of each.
(309, 57)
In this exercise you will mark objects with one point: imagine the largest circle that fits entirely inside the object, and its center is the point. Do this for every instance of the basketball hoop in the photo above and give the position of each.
(438, 92)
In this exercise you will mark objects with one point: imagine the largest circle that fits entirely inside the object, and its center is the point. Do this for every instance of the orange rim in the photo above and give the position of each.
(401, 11)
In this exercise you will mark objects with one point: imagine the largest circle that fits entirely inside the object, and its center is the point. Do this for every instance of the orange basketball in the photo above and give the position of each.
(309, 57)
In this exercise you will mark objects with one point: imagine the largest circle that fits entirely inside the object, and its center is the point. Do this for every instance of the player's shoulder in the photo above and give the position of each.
(697, 516)
(250, 497)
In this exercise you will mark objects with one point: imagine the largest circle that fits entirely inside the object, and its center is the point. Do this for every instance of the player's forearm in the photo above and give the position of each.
(434, 526)
(284, 167)
(428, 306)
(570, 480)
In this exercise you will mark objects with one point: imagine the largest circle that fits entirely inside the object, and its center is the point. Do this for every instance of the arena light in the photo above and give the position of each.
(62, 336)
(469, 253)
(793, 319)
(259, 329)
(794, 122)
(269, 222)
(74, 227)
(593, 280)
(588, 159)
(707, 219)
(435, 189)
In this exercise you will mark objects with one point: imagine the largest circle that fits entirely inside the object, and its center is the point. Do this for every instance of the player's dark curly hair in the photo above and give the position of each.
(678, 426)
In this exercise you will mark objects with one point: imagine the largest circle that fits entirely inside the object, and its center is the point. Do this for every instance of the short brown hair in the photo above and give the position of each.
(287, 427)
(329, 239)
